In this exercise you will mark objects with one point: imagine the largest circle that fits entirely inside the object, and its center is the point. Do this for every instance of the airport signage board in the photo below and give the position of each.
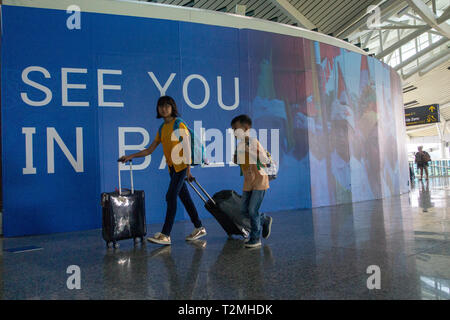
(422, 115)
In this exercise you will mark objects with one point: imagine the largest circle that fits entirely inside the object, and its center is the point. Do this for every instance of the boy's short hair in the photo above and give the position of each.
(243, 118)
(170, 101)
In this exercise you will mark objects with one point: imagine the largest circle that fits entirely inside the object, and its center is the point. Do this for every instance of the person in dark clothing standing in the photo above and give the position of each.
(422, 159)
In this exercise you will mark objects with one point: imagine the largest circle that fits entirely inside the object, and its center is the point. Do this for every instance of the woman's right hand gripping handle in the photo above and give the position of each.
(142, 153)
(125, 158)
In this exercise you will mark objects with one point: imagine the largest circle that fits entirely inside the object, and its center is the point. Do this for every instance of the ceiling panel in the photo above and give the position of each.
(271, 13)
(341, 15)
(328, 16)
(317, 10)
(308, 6)
(355, 12)
(262, 9)
(254, 5)
(233, 4)
(215, 5)
(445, 113)
(197, 4)
(427, 132)
(324, 15)
(433, 87)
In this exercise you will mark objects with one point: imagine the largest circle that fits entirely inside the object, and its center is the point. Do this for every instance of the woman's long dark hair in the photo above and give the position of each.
(167, 100)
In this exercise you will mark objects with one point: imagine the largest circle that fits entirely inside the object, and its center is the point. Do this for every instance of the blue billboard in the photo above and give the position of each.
(74, 100)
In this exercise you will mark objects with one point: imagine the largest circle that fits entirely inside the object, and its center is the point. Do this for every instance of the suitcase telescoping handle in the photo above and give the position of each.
(131, 176)
(198, 192)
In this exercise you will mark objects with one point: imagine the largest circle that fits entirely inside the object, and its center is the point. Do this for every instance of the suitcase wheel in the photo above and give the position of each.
(112, 244)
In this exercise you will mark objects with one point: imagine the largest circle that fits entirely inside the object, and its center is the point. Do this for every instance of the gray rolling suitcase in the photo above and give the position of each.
(123, 214)
(225, 206)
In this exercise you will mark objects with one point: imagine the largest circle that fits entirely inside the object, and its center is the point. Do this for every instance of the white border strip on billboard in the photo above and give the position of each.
(178, 13)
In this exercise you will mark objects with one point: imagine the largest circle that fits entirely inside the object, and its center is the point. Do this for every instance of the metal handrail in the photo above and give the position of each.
(439, 167)
(435, 169)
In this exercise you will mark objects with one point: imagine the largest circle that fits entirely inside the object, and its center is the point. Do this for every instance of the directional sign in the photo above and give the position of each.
(422, 115)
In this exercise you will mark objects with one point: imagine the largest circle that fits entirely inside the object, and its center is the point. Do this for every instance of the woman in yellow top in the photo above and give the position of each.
(178, 170)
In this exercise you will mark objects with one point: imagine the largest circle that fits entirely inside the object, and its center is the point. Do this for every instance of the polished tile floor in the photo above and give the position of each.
(321, 253)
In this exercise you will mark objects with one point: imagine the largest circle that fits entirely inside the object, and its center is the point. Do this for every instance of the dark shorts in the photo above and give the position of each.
(422, 164)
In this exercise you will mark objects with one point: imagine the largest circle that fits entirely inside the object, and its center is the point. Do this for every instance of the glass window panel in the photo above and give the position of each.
(423, 44)
(435, 38)
(395, 59)
(408, 50)
(410, 45)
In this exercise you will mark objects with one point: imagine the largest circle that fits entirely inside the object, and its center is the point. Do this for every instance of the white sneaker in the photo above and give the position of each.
(160, 238)
(253, 243)
(196, 234)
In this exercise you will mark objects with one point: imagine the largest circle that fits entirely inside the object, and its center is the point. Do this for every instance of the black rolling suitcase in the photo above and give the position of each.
(225, 206)
(123, 214)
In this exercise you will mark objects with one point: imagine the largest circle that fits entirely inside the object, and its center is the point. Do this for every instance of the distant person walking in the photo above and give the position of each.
(422, 159)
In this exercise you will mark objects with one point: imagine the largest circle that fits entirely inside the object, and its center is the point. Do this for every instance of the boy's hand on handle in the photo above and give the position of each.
(125, 159)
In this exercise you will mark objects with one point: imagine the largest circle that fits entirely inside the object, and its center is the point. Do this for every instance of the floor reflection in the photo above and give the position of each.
(424, 195)
(320, 253)
(125, 273)
(179, 288)
(238, 272)
(433, 224)
(433, 267)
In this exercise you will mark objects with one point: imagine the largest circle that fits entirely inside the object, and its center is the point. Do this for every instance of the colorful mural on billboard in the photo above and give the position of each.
(340, 116)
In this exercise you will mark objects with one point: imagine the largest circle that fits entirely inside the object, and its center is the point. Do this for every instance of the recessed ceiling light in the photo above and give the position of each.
(411, 103)
(409, 89)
